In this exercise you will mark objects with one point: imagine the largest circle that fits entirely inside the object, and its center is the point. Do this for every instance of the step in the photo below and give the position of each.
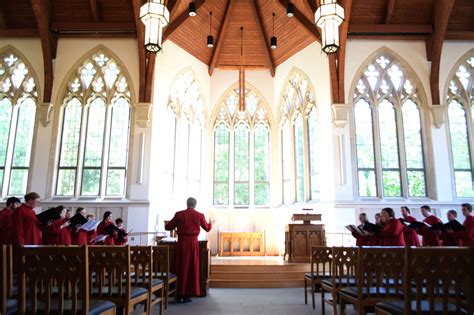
(223, 283)
(261, 268)
(286, 275)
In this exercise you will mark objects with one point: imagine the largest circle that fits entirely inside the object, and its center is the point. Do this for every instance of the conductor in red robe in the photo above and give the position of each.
(188, 223)
(430, 237)
(410, 235)
(6, 225)
(25, 223)
(392, 230)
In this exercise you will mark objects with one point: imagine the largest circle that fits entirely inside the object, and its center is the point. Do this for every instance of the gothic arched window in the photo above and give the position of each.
(460, 99)
(18, 99)
(242, 151)
(389, 146)
(299, 138)
(95, 129)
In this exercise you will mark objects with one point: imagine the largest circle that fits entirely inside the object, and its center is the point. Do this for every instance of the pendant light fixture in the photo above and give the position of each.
(328, 17)
(192, 8)
(273, 39)
(210, 38)
(290, 9)
(241, 73)
(155, 15)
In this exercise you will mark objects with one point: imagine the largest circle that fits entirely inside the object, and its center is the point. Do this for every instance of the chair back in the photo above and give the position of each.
(3, 279)
(141, 262)
(344, 266)
(321, 262)
(380, 272)
(61, 270)
(161, 261)
(109, 272)
(439, 276)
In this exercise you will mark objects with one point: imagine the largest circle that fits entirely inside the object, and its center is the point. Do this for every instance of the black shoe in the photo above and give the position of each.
(186, 299)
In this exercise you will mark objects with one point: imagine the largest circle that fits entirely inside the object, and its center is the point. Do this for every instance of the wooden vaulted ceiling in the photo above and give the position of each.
(431, 20)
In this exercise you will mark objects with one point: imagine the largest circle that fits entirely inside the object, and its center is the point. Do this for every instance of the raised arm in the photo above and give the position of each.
(206, 226)
(171, 225)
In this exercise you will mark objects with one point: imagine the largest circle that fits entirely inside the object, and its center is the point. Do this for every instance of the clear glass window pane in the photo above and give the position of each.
(91, 182)
(299, 159)
(221, 165)
(71, 133)
(95, 134)
(66, 182)
(262, 164)
(313, 140)
(18, 182)
(24, 133)
(286, 154)
(241, 165)
(119, 133)
(5, 122)
(115, 182)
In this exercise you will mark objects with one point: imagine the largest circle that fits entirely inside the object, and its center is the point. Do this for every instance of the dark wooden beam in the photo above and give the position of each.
(179, 20)
(332, 58)
(222, 29)
(388, 29)
(459, 35)
(3, 16)
(341, 55)
(170, 5)
(48, 43)
(313, 5)
(263, 37)
(389, 12)
(389, 36)
(95, 10)
(237, 67)
(150, 72)
(307, 24)
(96, 35)
(19, 32)
(98, 27)
(141, 49)
(434, 45)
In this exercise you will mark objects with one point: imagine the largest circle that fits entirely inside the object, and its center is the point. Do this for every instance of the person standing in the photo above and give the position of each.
(57, 232)
(447, 238)
(410, 235)
(103, 229)
(25, 222)
(188, 223)
(392, 230)
(430, 237)
(466, 236)
(362, 240)
(78, 235)
(121, 239)
(6, 224)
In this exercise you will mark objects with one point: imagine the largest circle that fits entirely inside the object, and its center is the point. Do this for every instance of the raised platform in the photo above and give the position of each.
(256, 272)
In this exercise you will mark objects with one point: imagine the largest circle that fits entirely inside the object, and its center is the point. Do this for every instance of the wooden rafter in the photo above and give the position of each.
(389, 12)
(150, 72)
(459, 35)
(170, 5)
(386, 29)
(218, 45)
(341, 56)
(94, 26)
(307, 24)
(20, 32)
(48, 44)
(312, 4)
(3, 16)
(263, 37)
(95, 10)
(179, 20)
(434, 45)
(332, 58)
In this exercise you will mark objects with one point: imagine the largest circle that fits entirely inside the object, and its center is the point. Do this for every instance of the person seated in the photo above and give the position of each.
(429, 236)
(121, 239)
(410, 235)
(6, 223)
(392, 230)
(78, 235)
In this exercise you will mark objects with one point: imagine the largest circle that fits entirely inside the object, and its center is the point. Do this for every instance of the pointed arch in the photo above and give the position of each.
(460, 106)
(19, 96)
(388, 100)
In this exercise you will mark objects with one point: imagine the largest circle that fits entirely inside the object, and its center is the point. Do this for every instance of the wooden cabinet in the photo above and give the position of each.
(204, 263)
(299, 238)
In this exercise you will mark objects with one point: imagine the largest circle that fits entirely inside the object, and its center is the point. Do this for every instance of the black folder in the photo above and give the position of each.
(372, 228)
(112, 228)
(454, 225)
(77, 219)
(50, 215)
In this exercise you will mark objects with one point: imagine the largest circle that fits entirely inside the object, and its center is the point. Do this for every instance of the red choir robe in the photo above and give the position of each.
(64, 236)
(450, 239)
(53, 234)
(189, 223)
(6, 226)
(121, 241)
(26, 226)
(91, 235)
(410, 235)
(466, 237)
(102, 230)
(430, 237)
(362, 240)
(79, 237)
(392, 233)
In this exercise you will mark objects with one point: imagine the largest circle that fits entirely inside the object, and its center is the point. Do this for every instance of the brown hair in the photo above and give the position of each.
(390, 212)
(31, 196)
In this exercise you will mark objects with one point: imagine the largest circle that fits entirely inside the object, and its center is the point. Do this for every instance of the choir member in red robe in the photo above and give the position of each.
(102, 229)
(6, 223)
(57, 232)
(78, 235)
(119, 240)
(362, 240)
(91, 235)
(410, 235)
(25, 223)
(392, 230)
(375, 240)
(430, 237)
(188, 223)
(448, 238)
(466, 236)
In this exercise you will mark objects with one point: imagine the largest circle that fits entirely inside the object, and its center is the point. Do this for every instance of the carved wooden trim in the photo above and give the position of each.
(143, 114)
(341, 114)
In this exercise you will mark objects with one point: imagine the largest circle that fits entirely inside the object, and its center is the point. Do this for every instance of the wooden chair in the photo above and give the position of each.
(141, 258)
(379, 278)
(321, 261)
(344, 263)
(109, 274)
(54, 279)
(3, 280)
(9, 288)
(439, 281)
(161, 268)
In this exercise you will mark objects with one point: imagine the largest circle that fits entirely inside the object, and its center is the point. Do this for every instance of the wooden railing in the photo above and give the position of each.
(241, 244)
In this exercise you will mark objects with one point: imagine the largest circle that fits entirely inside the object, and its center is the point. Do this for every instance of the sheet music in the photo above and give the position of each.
(90, 225)
(99, 238)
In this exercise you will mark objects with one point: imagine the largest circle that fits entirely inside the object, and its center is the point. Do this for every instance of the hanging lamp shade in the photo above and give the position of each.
(273, 42)
(290, 9)
(192, 8)
(328, 17)
(155, 15)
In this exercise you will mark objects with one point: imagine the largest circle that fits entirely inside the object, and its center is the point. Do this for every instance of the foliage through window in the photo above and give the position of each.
(389, 146)
(242, 152)
(299, 139)
(460, 99)
(18, 99)
(95, 130)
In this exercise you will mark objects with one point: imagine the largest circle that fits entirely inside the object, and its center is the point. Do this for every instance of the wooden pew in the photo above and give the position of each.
(321, 261)
(344, 263)
(439, 281)
(109, 275)
(379, 278)
(3, 280)
(161, 269)
(54, 279)
(141, 258)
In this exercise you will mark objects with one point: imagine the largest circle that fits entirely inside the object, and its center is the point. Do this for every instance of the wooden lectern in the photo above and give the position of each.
(301, 237)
